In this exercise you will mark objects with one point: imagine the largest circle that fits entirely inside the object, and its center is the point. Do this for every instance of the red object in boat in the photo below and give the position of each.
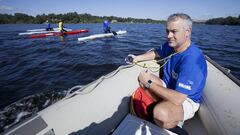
(59, 33)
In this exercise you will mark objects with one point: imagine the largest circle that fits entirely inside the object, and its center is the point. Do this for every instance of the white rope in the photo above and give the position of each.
(81, 90)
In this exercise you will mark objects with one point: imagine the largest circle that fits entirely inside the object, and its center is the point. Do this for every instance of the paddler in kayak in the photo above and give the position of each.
(107, 28)
(61, 26)
(49, 28)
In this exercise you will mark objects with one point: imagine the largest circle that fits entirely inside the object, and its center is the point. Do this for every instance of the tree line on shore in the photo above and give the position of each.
(71, 17)
(225, 21)
(74, 17)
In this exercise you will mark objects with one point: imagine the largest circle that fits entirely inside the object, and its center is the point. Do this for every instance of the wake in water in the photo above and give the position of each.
(26, 107)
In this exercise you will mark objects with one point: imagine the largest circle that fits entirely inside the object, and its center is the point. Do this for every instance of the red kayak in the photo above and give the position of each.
(59, 33)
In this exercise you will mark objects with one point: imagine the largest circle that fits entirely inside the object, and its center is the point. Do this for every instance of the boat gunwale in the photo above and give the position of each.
(223, 70)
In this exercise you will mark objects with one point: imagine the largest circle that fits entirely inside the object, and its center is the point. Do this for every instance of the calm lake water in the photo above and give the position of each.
(35, 73)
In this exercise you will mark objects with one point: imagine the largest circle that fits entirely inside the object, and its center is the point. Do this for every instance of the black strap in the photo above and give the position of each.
(114, 33)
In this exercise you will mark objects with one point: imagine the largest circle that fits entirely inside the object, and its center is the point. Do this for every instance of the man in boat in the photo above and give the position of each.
(107, 28)
(61, 27)
(174, 98)
(49, 28)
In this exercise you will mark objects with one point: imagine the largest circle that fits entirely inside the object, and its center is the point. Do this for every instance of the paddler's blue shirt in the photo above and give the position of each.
(106, 27)
(185, 72)
(48, 25)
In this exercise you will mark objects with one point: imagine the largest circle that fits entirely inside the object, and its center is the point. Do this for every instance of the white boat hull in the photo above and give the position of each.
(42, 30)
(39, 31)
(96, 36)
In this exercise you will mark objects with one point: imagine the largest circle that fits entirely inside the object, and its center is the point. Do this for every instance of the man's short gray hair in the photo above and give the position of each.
(186, 19)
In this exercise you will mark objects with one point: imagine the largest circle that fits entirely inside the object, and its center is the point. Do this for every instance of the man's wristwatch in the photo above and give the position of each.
(148, 84)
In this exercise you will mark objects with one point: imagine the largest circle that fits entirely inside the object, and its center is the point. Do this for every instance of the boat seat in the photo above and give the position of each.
(132, 125)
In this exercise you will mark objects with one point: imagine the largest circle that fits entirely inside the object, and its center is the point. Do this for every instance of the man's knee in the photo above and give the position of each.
(160, 113)
(167, 115)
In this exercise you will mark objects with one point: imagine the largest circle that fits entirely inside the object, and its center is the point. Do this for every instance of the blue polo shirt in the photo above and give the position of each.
(185, 72)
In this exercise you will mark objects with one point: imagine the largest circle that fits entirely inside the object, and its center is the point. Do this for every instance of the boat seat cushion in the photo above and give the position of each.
(132, 125)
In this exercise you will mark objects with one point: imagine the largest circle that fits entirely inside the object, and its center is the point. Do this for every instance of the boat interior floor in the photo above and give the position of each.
(194, 126)
(132, 125)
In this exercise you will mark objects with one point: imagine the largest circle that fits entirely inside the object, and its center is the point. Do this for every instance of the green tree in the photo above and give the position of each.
(71, 17)
(224, 21)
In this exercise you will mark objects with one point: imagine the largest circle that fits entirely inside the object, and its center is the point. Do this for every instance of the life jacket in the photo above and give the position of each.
(60, 25)
(142, 104)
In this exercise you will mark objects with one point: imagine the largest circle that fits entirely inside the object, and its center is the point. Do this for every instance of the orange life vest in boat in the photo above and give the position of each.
(142, 104)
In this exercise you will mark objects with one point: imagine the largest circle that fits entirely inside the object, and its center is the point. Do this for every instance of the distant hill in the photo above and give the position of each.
(72, 17)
